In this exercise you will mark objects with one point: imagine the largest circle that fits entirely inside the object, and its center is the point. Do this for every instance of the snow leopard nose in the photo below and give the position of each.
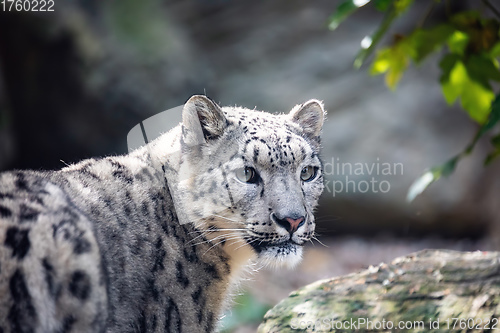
(291, 224)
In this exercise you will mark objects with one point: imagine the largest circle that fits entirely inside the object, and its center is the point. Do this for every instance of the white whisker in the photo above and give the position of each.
(317, 240)
(222, 241)
(226, 218)
(223, 237)
(204, 232)
(210, 240)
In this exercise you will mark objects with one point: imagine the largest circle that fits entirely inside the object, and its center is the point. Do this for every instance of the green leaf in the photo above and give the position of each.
(495, 50)
(475, 98)
(466, 19)
(491, 157)
(402, 5)
(424, 42)
(492, 121)
(344, 10)
(482, 33)
(382, 62)
(429, 177)
(382, 5)
(452, 83)
(457, 42)
(447, 64)
(394, 61)
(470, 83)
(481, 69)
(495, 141)
(493, 118)
(483, 36)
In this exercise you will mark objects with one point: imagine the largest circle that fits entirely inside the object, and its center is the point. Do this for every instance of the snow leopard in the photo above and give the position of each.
(158, 239)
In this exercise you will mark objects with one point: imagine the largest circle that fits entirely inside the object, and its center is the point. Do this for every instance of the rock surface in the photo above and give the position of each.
(423, 291)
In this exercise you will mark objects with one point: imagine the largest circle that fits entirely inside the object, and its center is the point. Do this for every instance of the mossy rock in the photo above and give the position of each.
(428, 291)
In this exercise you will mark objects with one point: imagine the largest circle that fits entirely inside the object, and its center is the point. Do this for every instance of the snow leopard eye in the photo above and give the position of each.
(308, 173)
(247, 175)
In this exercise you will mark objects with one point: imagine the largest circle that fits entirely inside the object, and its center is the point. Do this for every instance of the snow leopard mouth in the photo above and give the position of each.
(288, 246)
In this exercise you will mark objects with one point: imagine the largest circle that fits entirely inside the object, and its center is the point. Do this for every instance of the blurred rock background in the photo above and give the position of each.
(73, 82)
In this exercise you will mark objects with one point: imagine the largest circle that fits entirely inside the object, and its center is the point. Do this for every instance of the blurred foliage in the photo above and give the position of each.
(469, 44)
(139, 24)
(247, 310)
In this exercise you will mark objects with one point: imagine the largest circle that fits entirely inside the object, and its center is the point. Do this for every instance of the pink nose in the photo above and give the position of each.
(295, 224)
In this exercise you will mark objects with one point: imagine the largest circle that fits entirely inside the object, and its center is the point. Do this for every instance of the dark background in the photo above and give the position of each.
(75, 81)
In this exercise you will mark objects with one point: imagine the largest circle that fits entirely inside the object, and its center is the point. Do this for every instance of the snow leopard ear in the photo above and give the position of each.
(202, 120)
(310, 117)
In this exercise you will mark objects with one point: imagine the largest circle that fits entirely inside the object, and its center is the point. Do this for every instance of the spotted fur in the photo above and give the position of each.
(154, 241)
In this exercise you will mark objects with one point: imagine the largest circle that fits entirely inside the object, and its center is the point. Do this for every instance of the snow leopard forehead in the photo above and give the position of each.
(268, 140)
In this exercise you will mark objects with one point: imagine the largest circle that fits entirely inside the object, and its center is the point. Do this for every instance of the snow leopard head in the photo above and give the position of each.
(251, 180)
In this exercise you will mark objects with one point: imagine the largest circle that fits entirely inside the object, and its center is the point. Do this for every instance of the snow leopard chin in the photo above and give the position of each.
(287, 254)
